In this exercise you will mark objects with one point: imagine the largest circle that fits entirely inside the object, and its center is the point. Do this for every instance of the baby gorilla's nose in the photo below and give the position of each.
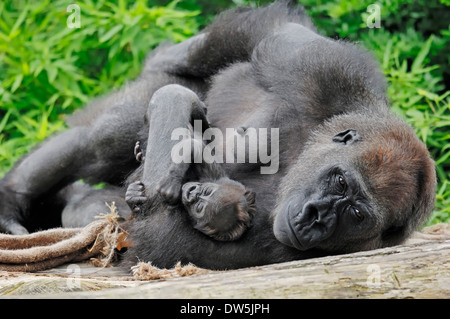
(190, 192)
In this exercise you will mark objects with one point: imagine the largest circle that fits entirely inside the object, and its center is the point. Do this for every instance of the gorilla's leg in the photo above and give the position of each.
(51, 164)
(84, 204)
(181, 106)
(101, 152)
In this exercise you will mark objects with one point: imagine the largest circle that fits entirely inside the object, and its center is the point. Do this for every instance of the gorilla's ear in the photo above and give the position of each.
(347, 137)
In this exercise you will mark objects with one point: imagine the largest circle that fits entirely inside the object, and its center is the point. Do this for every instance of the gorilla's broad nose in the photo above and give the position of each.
(315, 223)
(313, 212)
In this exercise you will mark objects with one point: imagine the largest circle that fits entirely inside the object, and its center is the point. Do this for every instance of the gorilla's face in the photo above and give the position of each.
(329, 213)
(350, 192)
(222, 209)
(212, 198)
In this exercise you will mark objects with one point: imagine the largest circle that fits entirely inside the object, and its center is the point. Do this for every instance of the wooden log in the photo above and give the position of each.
(420, 269)
(414, 271)
(417, 271)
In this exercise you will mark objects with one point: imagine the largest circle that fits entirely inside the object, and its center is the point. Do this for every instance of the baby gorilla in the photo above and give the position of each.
(218, 206)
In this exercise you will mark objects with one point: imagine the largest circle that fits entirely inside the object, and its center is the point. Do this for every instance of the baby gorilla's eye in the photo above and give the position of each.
(207, 191)
(341, 180)
(199, 207)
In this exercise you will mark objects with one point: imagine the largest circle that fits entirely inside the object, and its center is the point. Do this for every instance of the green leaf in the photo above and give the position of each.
(129, 35)
(418, 61)
(17, 83)
(52, 72)
(429, 95)
(108, 35)
(5, 120)
(15, 29)
(443, 158)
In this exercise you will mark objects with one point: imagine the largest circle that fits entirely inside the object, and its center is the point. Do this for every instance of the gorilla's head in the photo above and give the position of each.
(362, 182)
(222, 209)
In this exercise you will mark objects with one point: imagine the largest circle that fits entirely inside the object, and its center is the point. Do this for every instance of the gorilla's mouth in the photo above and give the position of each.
(306, 229)
(291, 234)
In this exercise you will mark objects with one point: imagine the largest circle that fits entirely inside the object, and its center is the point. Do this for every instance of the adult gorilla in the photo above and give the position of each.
(351, 175)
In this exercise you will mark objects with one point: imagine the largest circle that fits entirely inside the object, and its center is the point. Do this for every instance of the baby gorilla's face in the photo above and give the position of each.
(222, 209)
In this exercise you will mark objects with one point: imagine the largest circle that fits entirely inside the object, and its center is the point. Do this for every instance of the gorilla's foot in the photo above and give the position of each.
(138, 152)
(135, 196)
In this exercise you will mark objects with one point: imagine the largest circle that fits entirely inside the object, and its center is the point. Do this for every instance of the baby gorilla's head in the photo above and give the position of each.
(222, 209)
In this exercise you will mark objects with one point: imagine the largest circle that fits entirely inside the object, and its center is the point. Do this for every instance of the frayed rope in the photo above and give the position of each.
(111, 237)
(146, 271)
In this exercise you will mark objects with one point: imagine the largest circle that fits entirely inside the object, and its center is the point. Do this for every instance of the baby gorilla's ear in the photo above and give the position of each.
(250, 197)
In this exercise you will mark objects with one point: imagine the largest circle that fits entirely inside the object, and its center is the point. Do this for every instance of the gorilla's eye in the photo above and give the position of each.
(341, 184)
(357, 214)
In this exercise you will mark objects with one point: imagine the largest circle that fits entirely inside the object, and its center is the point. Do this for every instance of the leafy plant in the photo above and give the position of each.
(48, 70)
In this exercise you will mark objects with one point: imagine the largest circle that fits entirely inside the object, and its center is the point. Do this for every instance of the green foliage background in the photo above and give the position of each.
(48, 70)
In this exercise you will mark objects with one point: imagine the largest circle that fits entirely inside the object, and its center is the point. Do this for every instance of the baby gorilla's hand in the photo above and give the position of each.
(135, 196)
(170, 189)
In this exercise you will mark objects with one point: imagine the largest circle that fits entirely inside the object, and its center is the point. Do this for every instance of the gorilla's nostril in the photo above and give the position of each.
(313, 213)
(310, 214)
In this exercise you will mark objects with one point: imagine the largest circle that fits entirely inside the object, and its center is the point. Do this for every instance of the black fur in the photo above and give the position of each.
(260, 68)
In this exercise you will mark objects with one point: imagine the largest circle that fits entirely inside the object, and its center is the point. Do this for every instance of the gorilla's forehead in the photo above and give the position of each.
(227, 194)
